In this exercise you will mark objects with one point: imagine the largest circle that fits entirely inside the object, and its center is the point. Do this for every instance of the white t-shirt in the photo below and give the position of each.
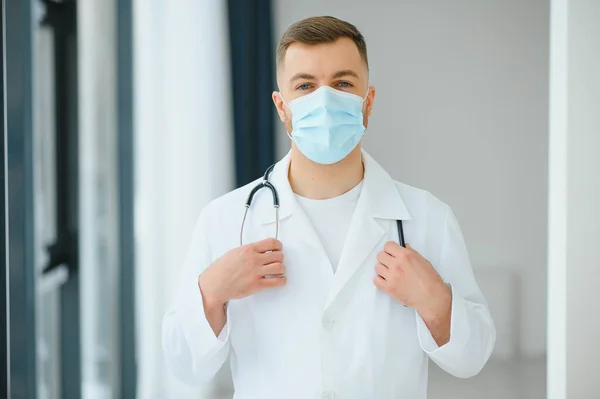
(331, 220)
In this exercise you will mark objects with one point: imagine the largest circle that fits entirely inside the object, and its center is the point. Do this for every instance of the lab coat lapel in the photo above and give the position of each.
(307, 264)
(363, 235)
(379, 199)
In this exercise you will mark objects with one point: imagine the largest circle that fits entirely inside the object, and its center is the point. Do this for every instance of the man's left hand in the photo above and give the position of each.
(409, 278)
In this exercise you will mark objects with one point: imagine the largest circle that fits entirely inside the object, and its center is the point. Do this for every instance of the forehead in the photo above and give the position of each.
(322, 59)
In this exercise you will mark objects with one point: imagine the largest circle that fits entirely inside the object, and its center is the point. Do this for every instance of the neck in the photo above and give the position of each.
(315, 181)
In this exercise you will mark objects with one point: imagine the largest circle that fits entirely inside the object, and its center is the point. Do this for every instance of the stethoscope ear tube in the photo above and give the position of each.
(274, 192)
(265, 183)
(401, 234)
(401, 239)
(268, 172)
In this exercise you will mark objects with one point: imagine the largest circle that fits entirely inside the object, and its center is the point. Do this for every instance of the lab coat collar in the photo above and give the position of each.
(380, 195)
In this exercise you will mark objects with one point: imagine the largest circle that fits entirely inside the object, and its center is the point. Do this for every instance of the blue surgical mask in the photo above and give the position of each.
(327, 124)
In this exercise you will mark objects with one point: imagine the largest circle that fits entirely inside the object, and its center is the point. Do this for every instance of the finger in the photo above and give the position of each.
(268, 244)
(394, 249)
(380, 282)
(382, 270)
(386, 259)
(272, 269)
(270, 257)
(272, 282)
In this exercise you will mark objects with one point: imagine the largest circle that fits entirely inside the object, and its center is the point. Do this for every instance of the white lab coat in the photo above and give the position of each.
(327, 335)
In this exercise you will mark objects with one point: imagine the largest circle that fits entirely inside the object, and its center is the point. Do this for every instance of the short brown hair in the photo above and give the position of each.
(319, 30)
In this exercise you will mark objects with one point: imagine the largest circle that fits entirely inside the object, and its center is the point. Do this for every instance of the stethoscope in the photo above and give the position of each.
(265, 183)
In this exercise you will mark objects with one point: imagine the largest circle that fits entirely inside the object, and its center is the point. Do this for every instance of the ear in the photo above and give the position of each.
(370, 100)
(279, 105)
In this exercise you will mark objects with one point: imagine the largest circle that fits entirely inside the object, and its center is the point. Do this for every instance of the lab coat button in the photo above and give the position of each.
(328, 395)
(328, 323)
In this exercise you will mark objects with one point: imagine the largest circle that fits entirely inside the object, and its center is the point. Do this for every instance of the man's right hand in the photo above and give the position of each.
(241, 272)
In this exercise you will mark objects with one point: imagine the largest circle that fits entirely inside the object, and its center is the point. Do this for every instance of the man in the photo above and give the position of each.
(335, 307)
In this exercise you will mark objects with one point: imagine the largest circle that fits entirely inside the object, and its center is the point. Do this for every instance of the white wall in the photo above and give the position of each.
(461, 110)
(574, 232)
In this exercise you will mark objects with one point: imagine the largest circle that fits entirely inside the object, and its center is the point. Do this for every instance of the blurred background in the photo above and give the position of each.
(124, 118)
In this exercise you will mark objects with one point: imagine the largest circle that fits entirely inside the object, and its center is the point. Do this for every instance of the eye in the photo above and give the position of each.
(344, 85)
(304, 87)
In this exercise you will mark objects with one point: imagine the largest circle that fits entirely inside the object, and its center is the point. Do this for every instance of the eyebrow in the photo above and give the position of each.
(347, 72)
(337, 75)
(302, 75)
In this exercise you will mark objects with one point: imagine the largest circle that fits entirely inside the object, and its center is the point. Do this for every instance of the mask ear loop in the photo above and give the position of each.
(368, 91)
(288, 107)
(283, 101)
(365, 99)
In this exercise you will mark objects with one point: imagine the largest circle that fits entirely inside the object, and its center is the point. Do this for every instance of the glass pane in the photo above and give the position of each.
(98, 190)
(47, 286)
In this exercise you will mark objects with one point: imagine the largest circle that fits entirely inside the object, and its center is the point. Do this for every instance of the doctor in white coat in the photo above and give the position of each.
(335, 307)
